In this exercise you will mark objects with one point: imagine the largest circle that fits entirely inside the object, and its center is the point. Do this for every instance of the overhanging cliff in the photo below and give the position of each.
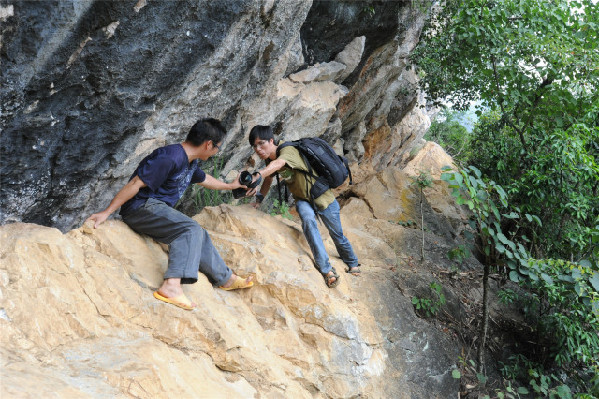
(90, 87)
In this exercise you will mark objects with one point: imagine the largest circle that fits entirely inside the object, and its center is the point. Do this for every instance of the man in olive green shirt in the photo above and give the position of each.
(291, 167)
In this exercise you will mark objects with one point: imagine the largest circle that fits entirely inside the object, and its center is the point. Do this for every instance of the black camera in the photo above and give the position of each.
(246, 178)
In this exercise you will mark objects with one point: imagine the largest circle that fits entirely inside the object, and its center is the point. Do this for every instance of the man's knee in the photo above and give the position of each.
(337, 236)
(194, 230)
(309, 224)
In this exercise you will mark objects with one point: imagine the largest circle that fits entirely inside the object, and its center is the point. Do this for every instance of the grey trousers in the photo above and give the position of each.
(190, 246)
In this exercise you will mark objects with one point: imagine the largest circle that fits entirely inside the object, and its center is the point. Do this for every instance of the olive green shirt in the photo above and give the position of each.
(296, 180)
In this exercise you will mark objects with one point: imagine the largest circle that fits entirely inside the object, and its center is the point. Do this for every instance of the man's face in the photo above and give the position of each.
(263, 147)
(210, 150)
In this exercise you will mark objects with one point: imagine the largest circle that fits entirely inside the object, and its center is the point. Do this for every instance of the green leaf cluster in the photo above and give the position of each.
(430, 306)
(280, 208)
(423, 180)
(202, 197)
(480, 195)
(508, 52)
(459, 254)
(533, 66)
(558, 182)
(448, 132)
(565, 294)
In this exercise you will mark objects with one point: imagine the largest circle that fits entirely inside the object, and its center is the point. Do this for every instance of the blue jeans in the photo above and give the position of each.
(190, 247)
(332, 221)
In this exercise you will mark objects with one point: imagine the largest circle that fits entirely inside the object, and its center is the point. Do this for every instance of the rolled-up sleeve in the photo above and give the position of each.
(198, 176)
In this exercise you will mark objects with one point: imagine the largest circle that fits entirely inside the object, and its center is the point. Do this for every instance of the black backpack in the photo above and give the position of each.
(319, 156)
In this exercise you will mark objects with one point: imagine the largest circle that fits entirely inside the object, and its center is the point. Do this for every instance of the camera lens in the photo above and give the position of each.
(245, 178)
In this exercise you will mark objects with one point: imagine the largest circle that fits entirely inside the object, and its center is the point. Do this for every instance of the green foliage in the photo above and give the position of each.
(507, 296)
(430, 306)
(558, 182)
(533, 65)
(567, 295)
(423, 180)
(408, 223)
(517, 367)
(560, 185)
(539, 387)
(459, 254)
(546, 386)
(455, 373)
(446, 131)
(202, 197)
(369, 11)
(539, 383)
(511, 392)
(496, 149)
(471, 189)
(512, 52)
(280, 208)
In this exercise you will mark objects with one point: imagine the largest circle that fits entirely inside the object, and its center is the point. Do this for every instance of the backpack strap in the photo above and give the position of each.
(285, 192)
(310, 173)
(279, 187)
(286, 144)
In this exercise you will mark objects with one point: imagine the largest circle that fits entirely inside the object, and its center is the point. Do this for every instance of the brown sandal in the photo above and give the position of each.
(355, 270)
(329, 276)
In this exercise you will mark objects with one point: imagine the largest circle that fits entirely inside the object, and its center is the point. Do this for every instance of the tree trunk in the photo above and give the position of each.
(485, 322)
(422, 224)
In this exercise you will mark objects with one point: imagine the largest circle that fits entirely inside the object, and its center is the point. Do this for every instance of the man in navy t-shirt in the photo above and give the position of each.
(147, 201)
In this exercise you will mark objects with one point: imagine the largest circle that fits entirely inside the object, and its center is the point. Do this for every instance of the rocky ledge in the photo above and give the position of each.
(78, 318)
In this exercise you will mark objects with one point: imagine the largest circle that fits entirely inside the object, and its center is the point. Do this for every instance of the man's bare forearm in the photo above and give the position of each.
(124, 195)
(213, 183)
(272, 167)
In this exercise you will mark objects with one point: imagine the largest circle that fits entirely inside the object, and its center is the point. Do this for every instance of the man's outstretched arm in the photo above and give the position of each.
(124, 195)
(214, 184)
(272, 167)
(266, 173)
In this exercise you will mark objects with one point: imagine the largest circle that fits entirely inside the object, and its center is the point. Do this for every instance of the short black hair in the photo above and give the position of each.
(260, 132)
(204, 130)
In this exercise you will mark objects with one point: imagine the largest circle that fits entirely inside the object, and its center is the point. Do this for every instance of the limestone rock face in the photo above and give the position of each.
(431, 159)
(91, 87)
(78, 319)
(328, 71)
(350, 57)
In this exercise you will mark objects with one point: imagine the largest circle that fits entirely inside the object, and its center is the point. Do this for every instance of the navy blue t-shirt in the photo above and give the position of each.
(166, 172)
